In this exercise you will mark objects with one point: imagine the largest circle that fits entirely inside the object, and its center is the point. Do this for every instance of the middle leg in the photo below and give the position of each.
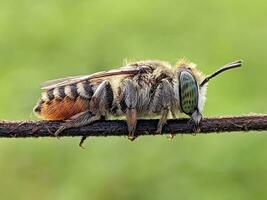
(130, 101)
(162, 102)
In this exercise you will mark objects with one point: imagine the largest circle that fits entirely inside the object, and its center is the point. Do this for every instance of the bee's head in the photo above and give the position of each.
(188, 90)
(192, 85)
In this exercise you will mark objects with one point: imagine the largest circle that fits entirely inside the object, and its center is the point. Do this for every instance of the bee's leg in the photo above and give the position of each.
(173, 114)
(131, 116)
(130, 98)
(162, 120)
(171, 136)
(79, 120)
(99, 105)
(102, 99)
(82, 141)
(196, 118)
(162, 102)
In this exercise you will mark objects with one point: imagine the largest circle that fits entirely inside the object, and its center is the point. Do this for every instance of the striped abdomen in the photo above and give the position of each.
(64, 102)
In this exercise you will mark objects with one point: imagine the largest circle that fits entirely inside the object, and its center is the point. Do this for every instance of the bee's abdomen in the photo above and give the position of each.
(64, 102)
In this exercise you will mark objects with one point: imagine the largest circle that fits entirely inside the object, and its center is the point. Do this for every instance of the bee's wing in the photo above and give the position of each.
(126, 70)
(57, 81)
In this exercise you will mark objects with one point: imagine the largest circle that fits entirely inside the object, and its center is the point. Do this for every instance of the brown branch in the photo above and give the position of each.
(23, 129)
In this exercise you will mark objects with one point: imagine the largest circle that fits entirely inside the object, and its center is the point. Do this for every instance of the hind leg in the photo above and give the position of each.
(99, 105)
(80, 120)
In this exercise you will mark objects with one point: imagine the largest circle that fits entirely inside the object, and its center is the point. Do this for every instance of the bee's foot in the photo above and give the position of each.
(196, 119)
(195, 127)
(160, 127)
(131, 137)
(196, 130)
(170, 137)
(66, 125)
(159, 130)
(59, 131)
(82, 141)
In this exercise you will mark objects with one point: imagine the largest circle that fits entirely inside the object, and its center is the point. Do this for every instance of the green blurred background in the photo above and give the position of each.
(42, 40)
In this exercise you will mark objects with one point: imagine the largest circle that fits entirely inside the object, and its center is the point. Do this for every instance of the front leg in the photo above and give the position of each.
(196, 118)
(162, 120)
(162, 102)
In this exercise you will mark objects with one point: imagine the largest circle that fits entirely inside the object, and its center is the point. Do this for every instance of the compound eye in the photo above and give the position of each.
(188, 90)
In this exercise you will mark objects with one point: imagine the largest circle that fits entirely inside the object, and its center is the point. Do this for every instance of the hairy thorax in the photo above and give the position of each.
(144, 90)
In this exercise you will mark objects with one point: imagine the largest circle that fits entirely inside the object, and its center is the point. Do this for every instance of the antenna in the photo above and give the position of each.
(226, 67)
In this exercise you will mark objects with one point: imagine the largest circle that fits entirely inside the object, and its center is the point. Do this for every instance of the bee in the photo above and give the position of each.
(147, 88)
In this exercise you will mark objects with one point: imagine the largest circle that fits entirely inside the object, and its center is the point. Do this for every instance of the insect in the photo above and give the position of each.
(138, 89)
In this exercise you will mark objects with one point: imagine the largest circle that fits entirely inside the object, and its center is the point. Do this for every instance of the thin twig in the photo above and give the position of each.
(23, 129)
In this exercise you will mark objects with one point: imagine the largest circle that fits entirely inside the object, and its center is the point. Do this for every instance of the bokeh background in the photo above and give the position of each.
(42, 40)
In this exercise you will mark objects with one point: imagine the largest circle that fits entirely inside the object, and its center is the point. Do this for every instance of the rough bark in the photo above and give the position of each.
(23, 129)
